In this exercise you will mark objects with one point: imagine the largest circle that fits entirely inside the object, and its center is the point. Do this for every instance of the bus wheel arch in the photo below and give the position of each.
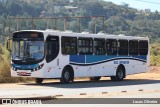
(67, 74)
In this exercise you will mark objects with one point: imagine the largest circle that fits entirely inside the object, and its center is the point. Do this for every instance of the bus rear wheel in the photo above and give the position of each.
(95, 78)
(38, 80)
(119, 74)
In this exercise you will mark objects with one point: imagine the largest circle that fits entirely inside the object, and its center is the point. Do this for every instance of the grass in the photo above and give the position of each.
(155, 54)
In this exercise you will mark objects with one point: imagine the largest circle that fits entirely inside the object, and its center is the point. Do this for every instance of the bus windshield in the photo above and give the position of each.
(27, 47)
(27, 50)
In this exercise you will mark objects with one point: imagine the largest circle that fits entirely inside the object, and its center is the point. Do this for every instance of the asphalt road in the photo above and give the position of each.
(83, 88)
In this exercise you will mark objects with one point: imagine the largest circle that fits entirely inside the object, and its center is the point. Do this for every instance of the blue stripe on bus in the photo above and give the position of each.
(77, 58)
(95, 58)
(144, 57)
(88, 64)
(102, 58)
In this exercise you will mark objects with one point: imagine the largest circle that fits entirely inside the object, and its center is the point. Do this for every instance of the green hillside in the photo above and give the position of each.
(119, 19)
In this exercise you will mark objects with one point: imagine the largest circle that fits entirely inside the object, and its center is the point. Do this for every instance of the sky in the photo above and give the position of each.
(140, 4)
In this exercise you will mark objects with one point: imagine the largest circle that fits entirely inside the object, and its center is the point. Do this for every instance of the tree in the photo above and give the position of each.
(96, 25)
(115, 24)
(14, 8)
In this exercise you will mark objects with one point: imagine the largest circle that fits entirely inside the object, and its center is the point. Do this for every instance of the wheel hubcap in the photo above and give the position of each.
(67, 75)
(120, 74)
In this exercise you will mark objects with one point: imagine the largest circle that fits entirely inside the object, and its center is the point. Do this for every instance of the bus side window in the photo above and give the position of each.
(111, 45)
(85, 46)
(69, 45)
(133, 47)
(143, 47)
(123, 47)
(99, 47)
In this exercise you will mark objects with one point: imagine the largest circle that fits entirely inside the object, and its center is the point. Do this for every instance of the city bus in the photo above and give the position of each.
(66, 55)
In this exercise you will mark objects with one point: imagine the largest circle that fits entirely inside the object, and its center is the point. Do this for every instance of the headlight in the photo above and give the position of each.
(38, 68)
(14, 69)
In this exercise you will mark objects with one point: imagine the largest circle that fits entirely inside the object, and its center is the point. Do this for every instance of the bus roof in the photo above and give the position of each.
(86, 34)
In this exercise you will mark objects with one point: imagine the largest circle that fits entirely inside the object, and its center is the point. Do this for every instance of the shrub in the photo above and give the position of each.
(155, 54)
(5, 75)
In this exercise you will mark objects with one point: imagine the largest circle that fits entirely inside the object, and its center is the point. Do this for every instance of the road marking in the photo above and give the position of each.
(59, 95)
(83, 94)
(104, 92)
(123, 91)
(140, 90)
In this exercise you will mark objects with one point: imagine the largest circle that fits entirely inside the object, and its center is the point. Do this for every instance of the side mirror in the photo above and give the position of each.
(9, 44)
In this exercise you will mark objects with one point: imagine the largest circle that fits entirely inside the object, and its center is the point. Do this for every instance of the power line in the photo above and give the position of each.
(148, 1)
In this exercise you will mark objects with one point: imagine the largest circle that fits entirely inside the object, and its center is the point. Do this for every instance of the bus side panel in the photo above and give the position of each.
(96, 70)
(52, 72)
(54, 68)
(136, 67)
(109, 71)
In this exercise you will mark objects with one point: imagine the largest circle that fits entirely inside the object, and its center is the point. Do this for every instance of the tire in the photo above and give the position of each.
(95, 78)
(39, 80)
(120, 73)
(66, 76)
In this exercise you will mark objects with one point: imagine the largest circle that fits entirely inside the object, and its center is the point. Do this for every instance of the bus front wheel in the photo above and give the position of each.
(38, 80)
(66, 76)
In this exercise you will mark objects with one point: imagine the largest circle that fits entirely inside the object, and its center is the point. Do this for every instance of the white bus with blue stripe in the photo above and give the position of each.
(68, 55)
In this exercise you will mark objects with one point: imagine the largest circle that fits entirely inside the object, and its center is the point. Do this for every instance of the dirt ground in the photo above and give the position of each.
(153, 74)
(155, 69)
